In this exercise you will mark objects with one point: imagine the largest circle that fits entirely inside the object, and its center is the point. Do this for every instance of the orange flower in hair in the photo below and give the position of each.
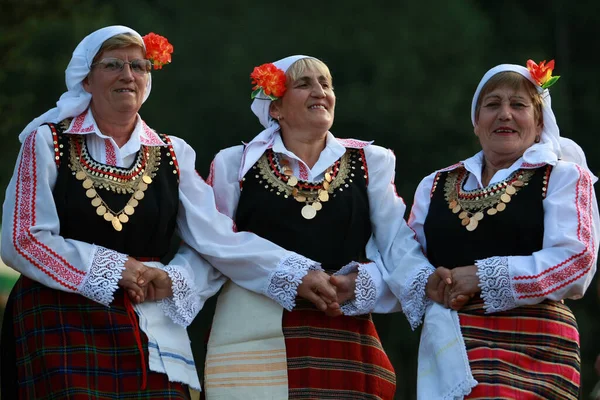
(542, 73)
(158, 49)
(269, 79)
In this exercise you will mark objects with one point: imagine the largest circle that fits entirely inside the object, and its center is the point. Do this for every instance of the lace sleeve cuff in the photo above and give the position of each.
(185, 304)
(413, 298)
(104, 274)
(283, 283)
(365, 292)
(495, 286)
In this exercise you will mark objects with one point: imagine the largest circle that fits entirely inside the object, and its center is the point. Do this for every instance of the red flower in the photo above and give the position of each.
(542, 73)
(269, 79)
(158, 49)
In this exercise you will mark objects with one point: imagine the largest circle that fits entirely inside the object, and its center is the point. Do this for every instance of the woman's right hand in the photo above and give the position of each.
(317, 289)
(438, 284)
(129, 278)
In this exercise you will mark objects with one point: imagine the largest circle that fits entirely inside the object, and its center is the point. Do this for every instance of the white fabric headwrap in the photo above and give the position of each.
(76, 100)
(260, 107)
(552, 147)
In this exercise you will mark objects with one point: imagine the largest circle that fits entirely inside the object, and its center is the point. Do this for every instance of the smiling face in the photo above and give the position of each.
(117, 93)
(309, 101)
(508, 118)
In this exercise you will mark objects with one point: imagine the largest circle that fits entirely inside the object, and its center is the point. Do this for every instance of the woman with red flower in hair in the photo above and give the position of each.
(514, 232)
(97, 197)
(332, 200)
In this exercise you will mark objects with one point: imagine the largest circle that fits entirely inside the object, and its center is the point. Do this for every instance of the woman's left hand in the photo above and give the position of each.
(465, 284)
(157, 282)
(345, 285)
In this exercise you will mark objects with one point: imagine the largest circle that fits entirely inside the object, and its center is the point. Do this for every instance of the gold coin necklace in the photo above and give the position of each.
(473, 205)
(95, 176)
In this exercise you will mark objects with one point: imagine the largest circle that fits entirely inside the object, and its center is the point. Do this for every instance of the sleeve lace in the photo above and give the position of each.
(365, 292)
(185, 303)
(105, 272)
(495, 285)
(284, 281)
(414, 299)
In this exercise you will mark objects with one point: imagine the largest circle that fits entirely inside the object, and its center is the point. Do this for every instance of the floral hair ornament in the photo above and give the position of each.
(542, 73)
(269, 80)
(158, 49)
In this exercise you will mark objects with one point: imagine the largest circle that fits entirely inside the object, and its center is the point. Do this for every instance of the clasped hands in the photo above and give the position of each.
(453, 288)
(326, 291)
(144, 283)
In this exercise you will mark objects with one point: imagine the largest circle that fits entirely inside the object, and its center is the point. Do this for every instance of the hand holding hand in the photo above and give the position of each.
(317, 289)
(133, 270)
(465, 284)
(157, 282)
(438, 284)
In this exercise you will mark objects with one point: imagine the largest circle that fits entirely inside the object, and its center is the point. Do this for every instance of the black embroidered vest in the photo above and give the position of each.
(337, 234)
(517, 230)
(149, 230)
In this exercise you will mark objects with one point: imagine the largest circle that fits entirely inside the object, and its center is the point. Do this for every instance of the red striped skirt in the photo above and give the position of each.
(530, 352)
(69, 347)
(335, 358)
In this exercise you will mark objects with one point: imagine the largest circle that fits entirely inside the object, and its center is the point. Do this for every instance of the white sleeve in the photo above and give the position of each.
(194, 282)
(566, 264)
(420, 208)
(31, 241)
(249, 260)
(404, 267)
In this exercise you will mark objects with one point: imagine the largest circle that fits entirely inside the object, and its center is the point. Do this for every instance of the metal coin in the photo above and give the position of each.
(452, 204)
(88, 183)
(108, 216)
(147, 179)
(294, 192)
(325, 185)
(465, 221)
(101, 210)
(288, 172)
(327, 176)
(317, 206)
(501, 207)
(324, 195)
(505, 198)
(117, 224)
(129, 210)
(518, 183)
(138, 195)
(463, 215)
(292, 181)
(300, 199)
(472, 225)
(90, 193)
(308, 212)
(133, 203)
(123, 218)
(96, 201)
(478, 216)
(511, 189)
(142, 186)
(456, 209)
(492, 211)
(80, 175)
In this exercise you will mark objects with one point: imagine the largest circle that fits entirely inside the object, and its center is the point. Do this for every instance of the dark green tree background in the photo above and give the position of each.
(404, 74)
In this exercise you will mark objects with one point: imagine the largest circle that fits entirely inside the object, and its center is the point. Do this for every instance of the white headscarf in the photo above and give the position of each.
(551, 147)
(260, 107)
(76, 100)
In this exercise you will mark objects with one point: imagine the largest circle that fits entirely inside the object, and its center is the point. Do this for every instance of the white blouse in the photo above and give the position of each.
(392, 241)
(32, 245)
(566, 264)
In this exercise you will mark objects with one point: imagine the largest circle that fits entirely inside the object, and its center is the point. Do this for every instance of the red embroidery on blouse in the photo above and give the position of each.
(303, 171)
(77, 125)
(24, 217)
(149, 137)
(450, 168)
(211, 174)
(111, 156)
(528, 165)
(353, 143)
(574, 267)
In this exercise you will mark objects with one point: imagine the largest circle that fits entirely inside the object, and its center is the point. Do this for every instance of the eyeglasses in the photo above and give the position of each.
(138, 66)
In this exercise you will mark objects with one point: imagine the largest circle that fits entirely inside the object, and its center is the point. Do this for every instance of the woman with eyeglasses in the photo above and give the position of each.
(94, 203)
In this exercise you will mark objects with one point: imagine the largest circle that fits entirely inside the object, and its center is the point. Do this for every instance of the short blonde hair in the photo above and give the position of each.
(296, 70)
(119, 41)
(515, 81)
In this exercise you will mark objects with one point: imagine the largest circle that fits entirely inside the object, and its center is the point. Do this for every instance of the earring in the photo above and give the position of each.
(537, 138)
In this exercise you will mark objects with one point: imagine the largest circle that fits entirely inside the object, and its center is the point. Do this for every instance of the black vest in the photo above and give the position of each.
(149, 231)
(338, 233)
(516, 231)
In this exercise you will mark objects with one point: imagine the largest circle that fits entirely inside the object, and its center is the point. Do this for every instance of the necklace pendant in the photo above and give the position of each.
(472, 225)
(308, 212)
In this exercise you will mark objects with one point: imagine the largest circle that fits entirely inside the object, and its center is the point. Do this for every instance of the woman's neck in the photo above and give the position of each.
(306, 146)
(117, 128)
(492, 165)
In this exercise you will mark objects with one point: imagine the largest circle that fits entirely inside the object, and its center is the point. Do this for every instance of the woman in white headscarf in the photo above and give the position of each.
(92, 208)
(332, 200)
(514, 231)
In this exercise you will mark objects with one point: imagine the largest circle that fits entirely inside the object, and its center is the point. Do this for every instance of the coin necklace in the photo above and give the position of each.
(471, 206)
(312, 199)
(94, 176)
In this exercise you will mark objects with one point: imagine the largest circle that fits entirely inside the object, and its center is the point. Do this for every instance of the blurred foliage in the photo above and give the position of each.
(404, 74)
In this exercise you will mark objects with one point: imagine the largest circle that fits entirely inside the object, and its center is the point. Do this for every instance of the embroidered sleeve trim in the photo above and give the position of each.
(105, 272)
(283, 283)
(184, 305)
(494, 278)
(365, 292)
(414, 300)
